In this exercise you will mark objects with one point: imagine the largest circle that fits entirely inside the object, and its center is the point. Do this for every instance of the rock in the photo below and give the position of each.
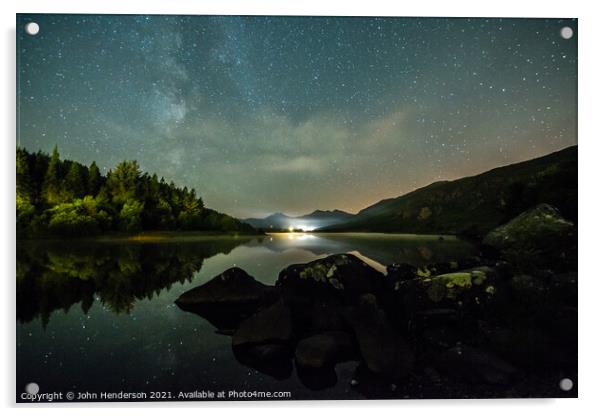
(272, 325)
(371, 385)
(342, 275)
(470, 289)
(313, 315)
(383, 350)
(272, 359)
(318, 291)
(528, 288)
(397, 272)
(324, 349)
(317, 378)
(232, 286)
(539, 236)
(532, 228)
(563, 286)
(227, 299)
(476, 366)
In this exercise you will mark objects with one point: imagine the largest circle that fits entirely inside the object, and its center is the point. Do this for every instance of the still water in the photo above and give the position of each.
(100, 316)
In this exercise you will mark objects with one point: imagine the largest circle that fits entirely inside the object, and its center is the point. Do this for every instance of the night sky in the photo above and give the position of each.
(292, 114)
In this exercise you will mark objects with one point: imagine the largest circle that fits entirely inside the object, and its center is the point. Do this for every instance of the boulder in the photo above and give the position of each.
(271, 359)
(398, 272)
(474, 288)
(272, 325)
(227, 299)
(324, 350)
(472, 365)
(539, 236)
(384, 351)
(231, 287)
(317, 378)
(339, 275)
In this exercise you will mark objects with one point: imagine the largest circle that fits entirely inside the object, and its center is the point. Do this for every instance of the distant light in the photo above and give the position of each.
(291, 229)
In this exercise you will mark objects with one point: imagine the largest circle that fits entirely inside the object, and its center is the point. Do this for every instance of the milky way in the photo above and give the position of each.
(292, 114)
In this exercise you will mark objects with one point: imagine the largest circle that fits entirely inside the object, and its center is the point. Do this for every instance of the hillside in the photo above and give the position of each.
(473, 205)
(64, 197)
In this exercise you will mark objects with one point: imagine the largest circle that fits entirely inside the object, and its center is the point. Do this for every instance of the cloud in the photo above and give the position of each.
(302, 164)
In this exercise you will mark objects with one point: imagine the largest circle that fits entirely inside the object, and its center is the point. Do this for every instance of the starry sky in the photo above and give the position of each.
(292, 114)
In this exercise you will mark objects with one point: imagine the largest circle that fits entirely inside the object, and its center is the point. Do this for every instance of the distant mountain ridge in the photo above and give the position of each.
(308, 222)
(474, 205)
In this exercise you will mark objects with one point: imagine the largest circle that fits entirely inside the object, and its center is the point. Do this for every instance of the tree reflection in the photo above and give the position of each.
(55, 275)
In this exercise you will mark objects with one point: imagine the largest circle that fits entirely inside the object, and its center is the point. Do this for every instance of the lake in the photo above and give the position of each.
(99, 316)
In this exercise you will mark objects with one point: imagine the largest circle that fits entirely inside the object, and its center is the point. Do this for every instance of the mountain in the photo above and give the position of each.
(473, 205)
(316, 219)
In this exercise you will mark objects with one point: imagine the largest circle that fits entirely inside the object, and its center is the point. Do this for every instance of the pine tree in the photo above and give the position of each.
(75, 181)
(94, 179)
(51, 188)
(123, 180)
(24, 177)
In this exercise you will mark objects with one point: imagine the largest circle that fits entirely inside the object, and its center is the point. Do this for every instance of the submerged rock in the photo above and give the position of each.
(325, 349)
(227, 299)
(384, 350)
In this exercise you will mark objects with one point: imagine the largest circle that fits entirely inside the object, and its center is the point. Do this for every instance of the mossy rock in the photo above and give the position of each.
(537, 228)
(342, 274)
(451, 285)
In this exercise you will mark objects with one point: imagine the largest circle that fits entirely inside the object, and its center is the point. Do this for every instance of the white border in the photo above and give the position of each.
(590, 288)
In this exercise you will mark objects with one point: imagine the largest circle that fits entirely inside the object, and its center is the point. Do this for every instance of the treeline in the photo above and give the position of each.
(64, 197)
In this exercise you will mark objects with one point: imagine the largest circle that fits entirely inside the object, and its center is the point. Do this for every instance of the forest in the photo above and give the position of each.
(67, 198)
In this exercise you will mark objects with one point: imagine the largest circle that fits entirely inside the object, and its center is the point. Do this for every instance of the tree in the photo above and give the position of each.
(75, 181)
(24, 179)
(80, 217)
(130, 215)
(122, 181)
(94, 179)
(51, 188)
(68, 198)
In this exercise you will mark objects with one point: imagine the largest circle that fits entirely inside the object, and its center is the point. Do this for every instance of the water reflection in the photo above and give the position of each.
(94, 315)
(55, 275)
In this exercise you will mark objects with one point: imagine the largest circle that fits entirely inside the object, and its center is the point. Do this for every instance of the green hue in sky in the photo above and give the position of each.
(292, 114)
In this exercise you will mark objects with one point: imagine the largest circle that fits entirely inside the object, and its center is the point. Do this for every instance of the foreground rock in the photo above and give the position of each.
(474, 290)
(272, 325)
(537, 237)
(337, 275)
(324, 350)
(318, 291)
(271, 359)
(262, 341)
(384, 351)
(227, 299)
